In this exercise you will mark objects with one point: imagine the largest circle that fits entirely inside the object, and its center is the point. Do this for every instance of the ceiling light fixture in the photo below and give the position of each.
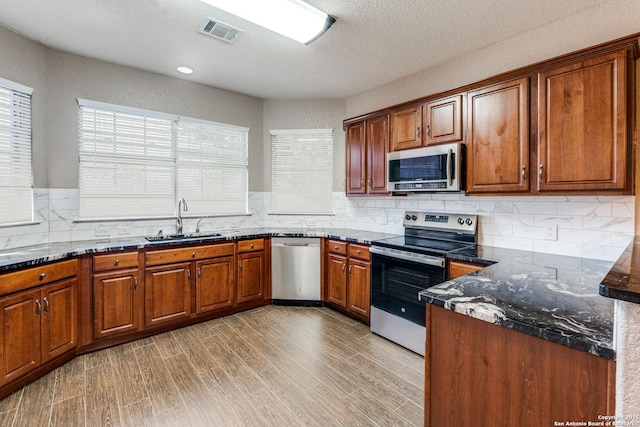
(184, 70)
(291, 18)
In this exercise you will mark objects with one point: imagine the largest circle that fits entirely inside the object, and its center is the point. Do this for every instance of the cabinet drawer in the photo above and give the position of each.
(114, 261)
(24, 279)
(250, 245)
(168, 256)
(337, 247)
(359, 251)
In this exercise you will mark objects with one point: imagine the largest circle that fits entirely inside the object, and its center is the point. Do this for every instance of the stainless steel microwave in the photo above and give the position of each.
(437, 168)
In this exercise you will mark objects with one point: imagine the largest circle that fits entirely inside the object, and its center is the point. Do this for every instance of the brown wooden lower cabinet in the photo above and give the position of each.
(484, 375)
(36, 326)
(167, 293)
(117, 302)
(253, 270)
(347, 276)
(215, 284)
(337, 280)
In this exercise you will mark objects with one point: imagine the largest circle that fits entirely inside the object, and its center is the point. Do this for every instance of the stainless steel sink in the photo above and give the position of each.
(162, 237)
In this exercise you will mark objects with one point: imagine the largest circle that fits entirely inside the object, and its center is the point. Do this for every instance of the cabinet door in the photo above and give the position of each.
(337, 280)
(406, 126)
(582, 121)
(498, 138)
(167, 293)
(461, 268)
(359, 295)
(356, 158)
(117, 303)
(377, 148)
(214, 284)
(20, 334)
(443, 120)
(251, 276)
(59, 318)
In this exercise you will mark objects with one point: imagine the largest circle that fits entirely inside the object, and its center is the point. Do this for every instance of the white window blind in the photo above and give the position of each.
(16, 178)
(212, 164)
(126, 163)
(302, 171)
(138, 163)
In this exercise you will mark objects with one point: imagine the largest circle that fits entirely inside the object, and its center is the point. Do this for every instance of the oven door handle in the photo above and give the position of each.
(408, 256)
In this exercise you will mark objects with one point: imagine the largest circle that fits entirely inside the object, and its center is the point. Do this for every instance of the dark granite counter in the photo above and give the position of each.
(549, 296)
(623, 280)
(40, 254)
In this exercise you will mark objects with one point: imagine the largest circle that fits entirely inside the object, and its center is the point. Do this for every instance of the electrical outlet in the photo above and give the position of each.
(551, 232)
(103, 232)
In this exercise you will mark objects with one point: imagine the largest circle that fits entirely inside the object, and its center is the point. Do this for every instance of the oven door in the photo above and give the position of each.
(398, 276)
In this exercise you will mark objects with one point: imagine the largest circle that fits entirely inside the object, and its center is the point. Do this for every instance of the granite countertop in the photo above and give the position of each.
(623, 280)
(11, 259)
(549, 296)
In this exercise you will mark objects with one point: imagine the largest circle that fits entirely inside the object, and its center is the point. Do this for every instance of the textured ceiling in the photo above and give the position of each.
(373, 42)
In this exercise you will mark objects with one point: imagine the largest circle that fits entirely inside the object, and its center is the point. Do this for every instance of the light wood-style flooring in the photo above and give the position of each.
(272, 366)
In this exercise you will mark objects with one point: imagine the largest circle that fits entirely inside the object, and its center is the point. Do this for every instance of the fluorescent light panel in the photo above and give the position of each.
(291, 18)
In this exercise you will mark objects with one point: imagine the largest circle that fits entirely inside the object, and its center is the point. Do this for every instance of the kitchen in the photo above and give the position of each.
(583, 223)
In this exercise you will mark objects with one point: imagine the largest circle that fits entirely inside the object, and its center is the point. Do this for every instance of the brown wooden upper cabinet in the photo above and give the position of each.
(406, 129)
(442, 120)
(367, 144)
(583, 125)
(498, 138)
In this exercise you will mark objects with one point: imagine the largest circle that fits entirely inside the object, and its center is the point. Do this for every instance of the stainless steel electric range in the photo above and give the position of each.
(403, 266)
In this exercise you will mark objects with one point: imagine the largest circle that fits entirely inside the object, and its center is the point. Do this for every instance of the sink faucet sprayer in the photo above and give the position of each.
(185, 208)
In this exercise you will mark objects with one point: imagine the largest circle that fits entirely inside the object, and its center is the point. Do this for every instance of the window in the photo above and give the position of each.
(16, 178)
(302, 171)
(137, 164)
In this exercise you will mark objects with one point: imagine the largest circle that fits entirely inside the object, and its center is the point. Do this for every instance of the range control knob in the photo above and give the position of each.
(469, 221)
(413, 217)
(460, 221)
(407, 217)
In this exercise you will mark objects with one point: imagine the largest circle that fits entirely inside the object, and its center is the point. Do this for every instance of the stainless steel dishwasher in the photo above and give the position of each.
(295, 270)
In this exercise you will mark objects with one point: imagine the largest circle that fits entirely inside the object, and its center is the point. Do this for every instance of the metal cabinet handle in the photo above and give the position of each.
(429, 131)
(541, 176)
(135, 283)
(418, 133)
(193, 254)
(240, 266)
(117, 262)
(362, 182)
(189, 273)
(370, 182)
(43, 275)
(524, 173)
(252, 246)
(344, 266)
(38, 308)
(199, 273)
(350, 267)
(358, 251)
(46, 305)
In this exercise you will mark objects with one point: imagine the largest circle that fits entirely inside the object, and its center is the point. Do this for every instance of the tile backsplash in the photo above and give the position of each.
(597, 227)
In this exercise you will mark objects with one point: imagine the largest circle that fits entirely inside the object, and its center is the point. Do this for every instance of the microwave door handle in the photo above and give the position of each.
(450, 167)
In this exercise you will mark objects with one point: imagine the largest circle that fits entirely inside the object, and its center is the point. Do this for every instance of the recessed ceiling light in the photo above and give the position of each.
(184, 70)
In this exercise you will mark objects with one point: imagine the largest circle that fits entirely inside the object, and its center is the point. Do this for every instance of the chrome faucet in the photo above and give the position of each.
(198, 223)
(185, 208)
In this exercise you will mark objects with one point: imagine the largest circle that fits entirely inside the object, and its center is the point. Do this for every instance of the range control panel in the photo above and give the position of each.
(466, 223)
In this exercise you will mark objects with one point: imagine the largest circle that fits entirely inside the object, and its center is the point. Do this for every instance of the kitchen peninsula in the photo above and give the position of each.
(527, 340)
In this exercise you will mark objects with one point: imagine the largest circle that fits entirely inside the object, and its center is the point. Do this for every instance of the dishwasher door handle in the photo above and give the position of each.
(295, 244)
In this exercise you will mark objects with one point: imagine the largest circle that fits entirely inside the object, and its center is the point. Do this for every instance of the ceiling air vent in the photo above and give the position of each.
(220, 30)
